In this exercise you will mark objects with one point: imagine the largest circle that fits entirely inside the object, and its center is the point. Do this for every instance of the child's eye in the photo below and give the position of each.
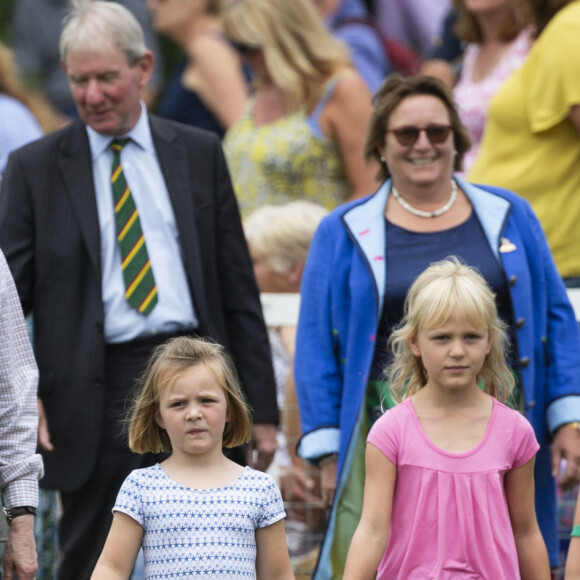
(177, 403)
(207, 400)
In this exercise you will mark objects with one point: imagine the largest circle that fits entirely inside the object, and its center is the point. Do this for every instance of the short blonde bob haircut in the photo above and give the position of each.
(431, 300)
(394, 90)
(282, 233)
(168, 362)
(299, 51)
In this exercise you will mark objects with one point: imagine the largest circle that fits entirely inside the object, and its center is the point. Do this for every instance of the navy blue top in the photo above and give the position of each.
(409, 253)
(181, 104)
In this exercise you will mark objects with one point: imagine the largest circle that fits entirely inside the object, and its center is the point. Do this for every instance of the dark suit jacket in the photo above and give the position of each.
(50, 234)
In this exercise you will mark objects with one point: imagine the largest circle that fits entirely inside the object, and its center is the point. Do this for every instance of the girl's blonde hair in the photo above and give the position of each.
(431, 300)
(299, 51)
(282, 233)
(168, 362)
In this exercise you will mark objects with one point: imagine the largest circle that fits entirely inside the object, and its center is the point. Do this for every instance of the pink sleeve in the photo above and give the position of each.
(524, 442)
(384, 435)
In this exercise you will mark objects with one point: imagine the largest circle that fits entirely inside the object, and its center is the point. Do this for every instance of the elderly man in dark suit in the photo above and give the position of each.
(122, 230)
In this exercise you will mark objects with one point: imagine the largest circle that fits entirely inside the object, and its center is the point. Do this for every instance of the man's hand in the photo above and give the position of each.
(300, 487)
(566, 445)
(20, 554)
(43, 432)
(262, 447)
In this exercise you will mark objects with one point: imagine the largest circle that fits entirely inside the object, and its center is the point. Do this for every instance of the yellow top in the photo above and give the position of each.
(530, 147)
(285, 160)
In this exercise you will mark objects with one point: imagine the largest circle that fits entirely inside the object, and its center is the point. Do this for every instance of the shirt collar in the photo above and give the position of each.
(140, 134)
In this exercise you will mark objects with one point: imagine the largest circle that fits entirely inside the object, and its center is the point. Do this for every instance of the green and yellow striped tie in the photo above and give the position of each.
(140, 288)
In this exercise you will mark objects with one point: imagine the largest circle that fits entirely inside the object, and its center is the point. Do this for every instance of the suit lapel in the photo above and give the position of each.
(77, 172)
(175, 166)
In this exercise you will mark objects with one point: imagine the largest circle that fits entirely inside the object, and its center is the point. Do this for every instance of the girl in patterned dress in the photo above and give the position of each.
(449, 490)
(197, 514)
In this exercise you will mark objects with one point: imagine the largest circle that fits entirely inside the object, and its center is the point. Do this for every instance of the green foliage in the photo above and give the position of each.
(5, 17)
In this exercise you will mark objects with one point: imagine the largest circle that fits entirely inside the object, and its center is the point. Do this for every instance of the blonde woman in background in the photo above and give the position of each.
(302, 133)
(278, 239)
(208, 89)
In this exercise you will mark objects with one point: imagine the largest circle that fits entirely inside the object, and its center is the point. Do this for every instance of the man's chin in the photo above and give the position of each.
(102, 124)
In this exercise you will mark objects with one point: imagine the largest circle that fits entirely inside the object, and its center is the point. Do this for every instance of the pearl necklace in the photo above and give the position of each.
(427, 214)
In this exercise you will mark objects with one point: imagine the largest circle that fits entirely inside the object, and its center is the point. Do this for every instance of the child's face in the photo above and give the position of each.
(452, 354)
(193, 411)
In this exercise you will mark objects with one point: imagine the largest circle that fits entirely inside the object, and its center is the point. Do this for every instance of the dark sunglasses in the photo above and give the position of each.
(409, 134)
(243, 49)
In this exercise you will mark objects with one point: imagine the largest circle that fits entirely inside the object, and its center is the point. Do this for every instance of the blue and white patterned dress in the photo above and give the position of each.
(199, 533)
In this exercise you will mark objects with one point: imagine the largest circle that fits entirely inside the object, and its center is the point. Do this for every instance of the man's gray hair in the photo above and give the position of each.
(91, 24)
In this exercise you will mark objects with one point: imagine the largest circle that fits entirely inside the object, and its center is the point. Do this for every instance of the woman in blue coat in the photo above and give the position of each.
(364, 257)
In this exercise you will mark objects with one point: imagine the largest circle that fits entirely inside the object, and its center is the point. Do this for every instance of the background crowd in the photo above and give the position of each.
(316, 105)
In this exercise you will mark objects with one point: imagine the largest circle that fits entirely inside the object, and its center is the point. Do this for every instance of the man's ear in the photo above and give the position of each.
(145, 65)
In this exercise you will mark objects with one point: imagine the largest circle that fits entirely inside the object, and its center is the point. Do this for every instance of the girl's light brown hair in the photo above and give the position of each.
(168, 362)
(431, 300)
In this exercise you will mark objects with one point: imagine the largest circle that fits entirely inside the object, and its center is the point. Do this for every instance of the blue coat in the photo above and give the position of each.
(343, 288)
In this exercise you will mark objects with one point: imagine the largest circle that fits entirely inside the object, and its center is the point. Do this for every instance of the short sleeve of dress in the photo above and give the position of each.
(272, 504)
(550, 79)
(384, 434)
(524, 441)
(129, 500)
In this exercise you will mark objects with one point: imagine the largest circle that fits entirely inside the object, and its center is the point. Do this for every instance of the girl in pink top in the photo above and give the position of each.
(449, 491)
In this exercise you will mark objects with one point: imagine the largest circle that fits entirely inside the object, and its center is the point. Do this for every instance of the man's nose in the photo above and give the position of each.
(94, 93)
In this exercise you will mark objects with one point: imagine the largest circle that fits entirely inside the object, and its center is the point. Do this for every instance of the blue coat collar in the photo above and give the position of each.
(365, 222)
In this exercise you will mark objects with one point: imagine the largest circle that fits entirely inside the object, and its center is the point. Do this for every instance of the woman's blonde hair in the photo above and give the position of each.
(431, 300)
(168, 362)
(300, 53)
(282, 233)
(11, 85)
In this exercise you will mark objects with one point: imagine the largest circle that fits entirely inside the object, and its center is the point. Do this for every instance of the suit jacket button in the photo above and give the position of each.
(513, 279)
(520, 322)
(98, 384)
(524, 362)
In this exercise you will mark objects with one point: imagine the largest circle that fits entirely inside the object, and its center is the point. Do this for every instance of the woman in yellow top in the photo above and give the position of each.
(303, 131)
(531, 143)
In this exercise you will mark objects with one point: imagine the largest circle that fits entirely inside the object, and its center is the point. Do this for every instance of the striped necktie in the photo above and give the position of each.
(140, 288)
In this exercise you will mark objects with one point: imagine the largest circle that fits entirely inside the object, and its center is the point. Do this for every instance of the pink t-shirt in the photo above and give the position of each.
(450, 517)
